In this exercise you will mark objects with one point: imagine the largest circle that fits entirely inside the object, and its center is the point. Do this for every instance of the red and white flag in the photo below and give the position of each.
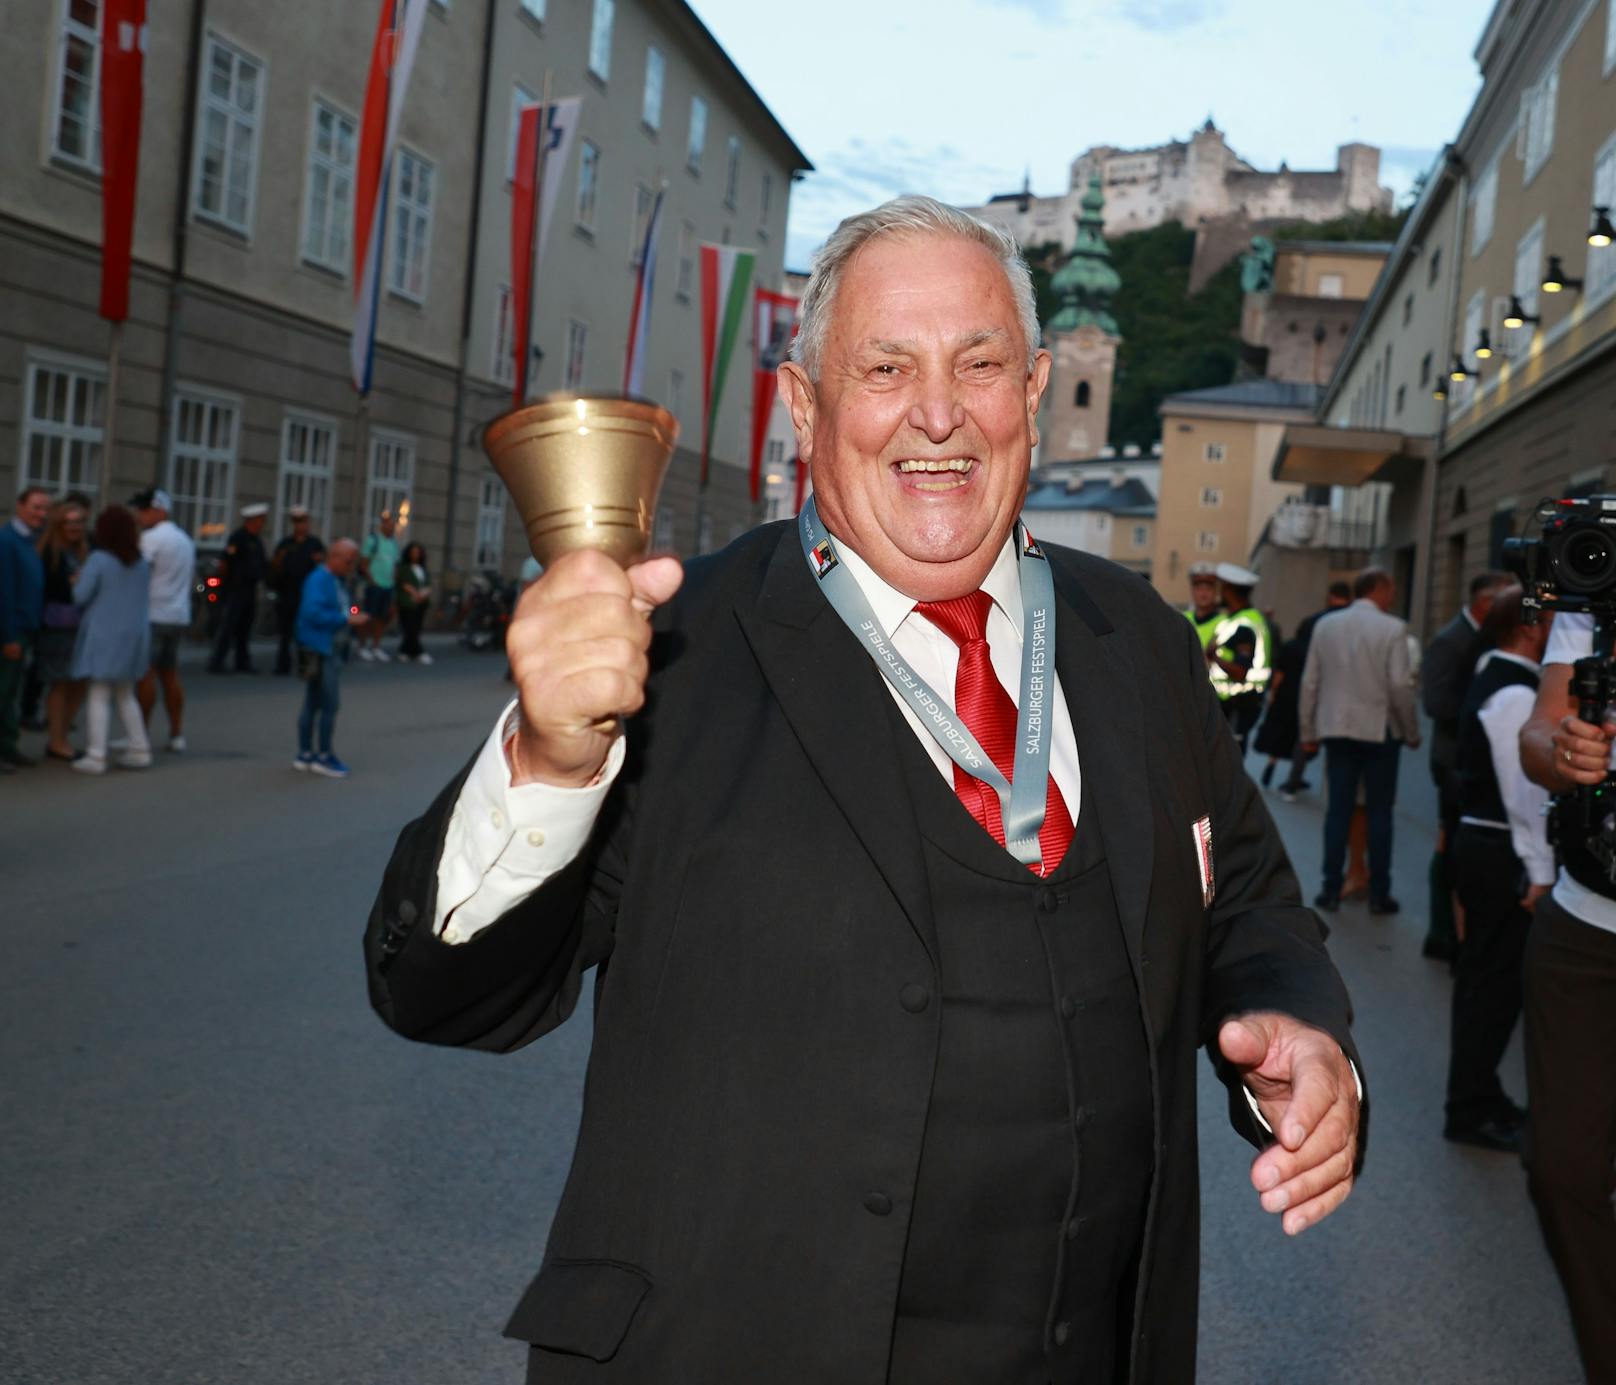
(639, 323)
(392, 58)
(123, 52)
(774, 325)
(537, 174)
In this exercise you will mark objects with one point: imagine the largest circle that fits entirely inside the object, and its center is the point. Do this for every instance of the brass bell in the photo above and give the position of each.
(585, 471)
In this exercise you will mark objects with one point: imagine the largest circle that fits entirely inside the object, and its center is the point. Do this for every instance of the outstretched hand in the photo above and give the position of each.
(1305, 1088)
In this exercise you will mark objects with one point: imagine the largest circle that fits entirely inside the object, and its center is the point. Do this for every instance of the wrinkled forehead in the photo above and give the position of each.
(909, 287)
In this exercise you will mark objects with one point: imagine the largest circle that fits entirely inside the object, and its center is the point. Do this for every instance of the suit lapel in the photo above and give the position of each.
(1104, 695)
(836, 702)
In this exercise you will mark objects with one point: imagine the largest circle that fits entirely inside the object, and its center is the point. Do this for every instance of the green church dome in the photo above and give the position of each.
(1086, 283)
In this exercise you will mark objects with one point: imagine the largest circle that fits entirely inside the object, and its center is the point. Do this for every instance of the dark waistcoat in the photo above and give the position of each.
(1479, 794)
(1035, 1168)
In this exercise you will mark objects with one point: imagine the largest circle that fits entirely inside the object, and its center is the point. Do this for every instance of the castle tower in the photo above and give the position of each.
(1083, 338)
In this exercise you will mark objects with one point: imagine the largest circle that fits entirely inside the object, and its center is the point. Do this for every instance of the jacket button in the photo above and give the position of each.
(1048, 901)
(914, 998)
(877, 1204)
(407, 912)
(1063, 1333)
(1073, 1227)
(1068, 1006)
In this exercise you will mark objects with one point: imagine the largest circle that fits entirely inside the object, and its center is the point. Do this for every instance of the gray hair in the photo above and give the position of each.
(915, 216)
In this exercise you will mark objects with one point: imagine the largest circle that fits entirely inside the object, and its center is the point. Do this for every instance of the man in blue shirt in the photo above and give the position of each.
(322, 612)
(22, 598)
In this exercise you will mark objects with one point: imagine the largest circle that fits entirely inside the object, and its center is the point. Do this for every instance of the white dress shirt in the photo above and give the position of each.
(1502, 716)
(502, 843)
(1572, 638)
(172, 556)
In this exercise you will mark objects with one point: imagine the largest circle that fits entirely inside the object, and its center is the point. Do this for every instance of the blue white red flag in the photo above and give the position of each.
(398, 36)
(639, 323)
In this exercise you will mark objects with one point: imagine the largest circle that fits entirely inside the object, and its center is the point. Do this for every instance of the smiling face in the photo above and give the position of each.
(920, 428)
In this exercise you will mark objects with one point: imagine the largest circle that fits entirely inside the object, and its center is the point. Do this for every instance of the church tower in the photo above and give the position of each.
(1083, 338)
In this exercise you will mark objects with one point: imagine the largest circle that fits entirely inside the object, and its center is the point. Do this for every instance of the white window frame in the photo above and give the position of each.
(240, 125)
(684, 283)
(1206, 541)
(411, 215)
(1461, 392)
(300, 480)
(390, 478)
(696, 139)
(335, 251)
(1214, 452)
(1610, 38)
(656, 75)
(205, 512)
(572, 364)
(488, 540)
(600, 39)
(72, 443)
(1528, 287)
(69, 29)
(732, 170)
(1483, 204)
(1599, 274)
(1535, 130)
(521, 97)
(1211, 497)
(588, 184)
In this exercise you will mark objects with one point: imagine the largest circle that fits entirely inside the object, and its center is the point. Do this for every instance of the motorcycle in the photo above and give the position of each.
(486, 607)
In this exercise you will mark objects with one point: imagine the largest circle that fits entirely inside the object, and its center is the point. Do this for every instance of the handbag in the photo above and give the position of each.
(308, 664)
(61, 615)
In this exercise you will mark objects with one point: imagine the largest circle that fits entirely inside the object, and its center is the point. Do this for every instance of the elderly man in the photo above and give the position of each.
(322, 612)
(893, 1076)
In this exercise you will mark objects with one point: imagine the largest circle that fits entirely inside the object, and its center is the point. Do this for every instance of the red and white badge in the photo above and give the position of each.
(1203, 858)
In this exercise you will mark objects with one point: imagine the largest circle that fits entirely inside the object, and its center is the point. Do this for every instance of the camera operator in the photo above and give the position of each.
(1570, 1001)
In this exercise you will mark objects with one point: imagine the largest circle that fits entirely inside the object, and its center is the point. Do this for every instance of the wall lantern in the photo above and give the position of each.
(1458, 373)
(1484, 346)
(1557, 279)
(1603, 233)
(1517, 315)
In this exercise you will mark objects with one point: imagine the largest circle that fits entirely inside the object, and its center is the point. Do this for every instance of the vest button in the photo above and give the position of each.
(1063, 1333)
(1048, 902)
(1068, 1006)
(1073, 1227)
(914, 998)
(877, 1204)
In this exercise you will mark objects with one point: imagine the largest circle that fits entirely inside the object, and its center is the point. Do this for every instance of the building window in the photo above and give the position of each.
(1141, 535)
(328, 211)
(412, 226)
(308, 465)
(600, 40)
(1080, 397)
(76, 129)
(732, 169)
(698, 134)
(643, 200)
(1461, 391)
(1600, 272)
(687, 261)
(490, 545)
(1436, 266)
(1102, 523)
(534, 8)
(1402, 397)
(1535, 132)
(392, 476)
(1482, 202)
(228, 148)
(502, 367)
(676, 394)
(62, 433)
(1211, 497)
(1206, 541)
(1331, 285)
(1528, 288)
(651, 101)
(573, 367)
(1213, 452)
(521, 99)
(662, 530)
(768, 196)
(202, 466)
(588, 183)
(1408, 309)
(1425, 370)
(1610, 38)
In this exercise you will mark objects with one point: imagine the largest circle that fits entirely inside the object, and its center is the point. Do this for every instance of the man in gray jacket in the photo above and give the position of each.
(1358, 699)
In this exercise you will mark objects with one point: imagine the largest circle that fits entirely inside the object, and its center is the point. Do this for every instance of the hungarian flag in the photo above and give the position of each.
(725, 275)
(398, 36)
(639, 323)
(123, 52)
(774, 325)
(539, 165)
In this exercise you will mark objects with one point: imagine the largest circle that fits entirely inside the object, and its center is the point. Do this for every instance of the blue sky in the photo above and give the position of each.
(960, 98)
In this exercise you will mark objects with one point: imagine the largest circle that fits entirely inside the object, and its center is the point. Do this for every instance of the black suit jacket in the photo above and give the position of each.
(1445, 673)
(756, 899)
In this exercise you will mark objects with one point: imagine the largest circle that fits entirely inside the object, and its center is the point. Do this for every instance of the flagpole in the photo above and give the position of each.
(534, 263)
(109, 425)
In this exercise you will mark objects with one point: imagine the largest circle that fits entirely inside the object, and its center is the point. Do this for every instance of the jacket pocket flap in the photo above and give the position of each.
(579, 1306)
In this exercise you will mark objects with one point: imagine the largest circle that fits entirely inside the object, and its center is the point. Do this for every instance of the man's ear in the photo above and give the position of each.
(797, 394)
(1037, 383)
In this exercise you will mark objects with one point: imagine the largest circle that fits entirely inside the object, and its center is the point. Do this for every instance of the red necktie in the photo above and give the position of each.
(989, 714)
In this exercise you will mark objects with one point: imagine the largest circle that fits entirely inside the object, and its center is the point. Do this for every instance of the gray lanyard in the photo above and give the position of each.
(1021, 803)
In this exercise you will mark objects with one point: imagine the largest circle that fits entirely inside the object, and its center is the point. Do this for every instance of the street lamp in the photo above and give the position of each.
(1458, 374)
(1484, 346)
(1517, 315)
(1603, 232)
(1557, 279)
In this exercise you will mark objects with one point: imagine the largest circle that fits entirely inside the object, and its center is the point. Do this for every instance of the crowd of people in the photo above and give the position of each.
(93, 618)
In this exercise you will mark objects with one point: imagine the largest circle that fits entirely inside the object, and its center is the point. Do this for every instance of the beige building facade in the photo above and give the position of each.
(233, 380)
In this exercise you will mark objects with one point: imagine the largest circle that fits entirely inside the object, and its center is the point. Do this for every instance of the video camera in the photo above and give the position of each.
(1571, 566)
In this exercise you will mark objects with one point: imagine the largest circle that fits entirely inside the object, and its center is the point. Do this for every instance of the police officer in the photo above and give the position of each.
(296, 556)
(1239, 653)
(1205, 611)
(243, 568)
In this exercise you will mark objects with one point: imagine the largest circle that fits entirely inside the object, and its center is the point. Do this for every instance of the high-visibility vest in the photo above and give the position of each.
(1262, 656)
(1204, 627)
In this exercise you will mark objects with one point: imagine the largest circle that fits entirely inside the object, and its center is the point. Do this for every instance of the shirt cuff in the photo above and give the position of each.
(503, 841)
(1262, 1120)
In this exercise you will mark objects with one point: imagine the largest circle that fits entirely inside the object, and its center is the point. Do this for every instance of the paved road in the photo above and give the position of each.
(217, 1167)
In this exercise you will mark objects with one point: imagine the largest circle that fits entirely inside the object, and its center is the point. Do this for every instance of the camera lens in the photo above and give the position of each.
(1586, 561)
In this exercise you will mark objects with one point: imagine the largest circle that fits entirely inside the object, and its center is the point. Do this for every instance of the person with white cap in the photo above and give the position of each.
(1240, 653)
(1205, 611)
(172, 556)
(244, 567)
